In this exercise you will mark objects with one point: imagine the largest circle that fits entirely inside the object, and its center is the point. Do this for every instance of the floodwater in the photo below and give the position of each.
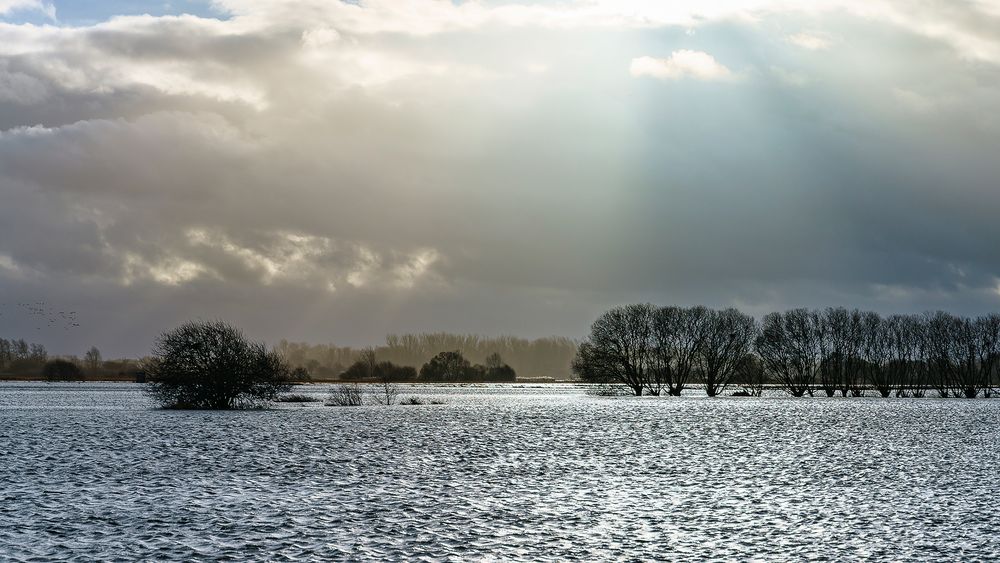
(92, 471)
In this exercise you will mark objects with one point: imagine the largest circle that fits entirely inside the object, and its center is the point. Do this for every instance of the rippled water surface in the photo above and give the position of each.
(91, 471)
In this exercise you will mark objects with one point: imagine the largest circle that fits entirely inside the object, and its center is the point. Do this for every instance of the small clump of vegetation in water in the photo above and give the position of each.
(296, 398)
(419, 401)
(354, 395)
(606, 390)
(345, 395)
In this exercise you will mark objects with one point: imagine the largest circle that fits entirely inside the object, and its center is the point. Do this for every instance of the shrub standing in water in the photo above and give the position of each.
(385, 374)
(346, 395)
(211, 365)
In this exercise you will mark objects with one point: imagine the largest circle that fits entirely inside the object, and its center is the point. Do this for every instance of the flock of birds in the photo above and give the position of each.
(44, 315)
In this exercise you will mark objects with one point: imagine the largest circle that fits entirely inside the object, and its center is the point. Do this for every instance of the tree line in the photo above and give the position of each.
(663, 350)
(19, 355)
(444, 367)
(432, 357)
(543, 357)
(20, 358)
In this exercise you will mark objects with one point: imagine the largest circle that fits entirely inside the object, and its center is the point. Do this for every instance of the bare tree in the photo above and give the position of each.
(940, 337)
(840, 348)
(21, 349)
(728, 338)
(962, 353)
(789, 347)
(494, 361)
(92, 360)
(902, 369)
(618, 349)
(368, 360)
(751, 375)
(876, 353)
(38, 353)
(987, 330)
(921, 356)
(967, 379)
(6, 353)
(677, 335)
(387, 390)
(971, 354)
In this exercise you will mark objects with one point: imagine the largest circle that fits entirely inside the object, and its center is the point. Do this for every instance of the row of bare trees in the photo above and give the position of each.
(19, 358)
(652, 350)
(19, 355)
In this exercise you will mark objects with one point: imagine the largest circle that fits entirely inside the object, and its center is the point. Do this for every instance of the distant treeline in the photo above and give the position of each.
(20, 356)
(543, 357)
(444, 367)
(654, 350)
(20, 359)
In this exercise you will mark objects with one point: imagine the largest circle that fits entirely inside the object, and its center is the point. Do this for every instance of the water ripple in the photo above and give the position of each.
(497, 473)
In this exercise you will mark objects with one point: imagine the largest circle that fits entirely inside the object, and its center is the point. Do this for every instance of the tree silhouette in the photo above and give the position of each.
(728, 339)
(618, 350)
(92, 359)
(211, 365)
(62, 370)
(446, 366)
(789, 347)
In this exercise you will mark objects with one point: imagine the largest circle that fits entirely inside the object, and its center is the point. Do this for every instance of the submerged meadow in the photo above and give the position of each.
(93, 471)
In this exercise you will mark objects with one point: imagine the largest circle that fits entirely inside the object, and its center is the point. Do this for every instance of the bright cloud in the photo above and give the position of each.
(812, 42)
(681, 64)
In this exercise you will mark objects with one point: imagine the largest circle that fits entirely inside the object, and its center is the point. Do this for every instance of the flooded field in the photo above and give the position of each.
(92, 471)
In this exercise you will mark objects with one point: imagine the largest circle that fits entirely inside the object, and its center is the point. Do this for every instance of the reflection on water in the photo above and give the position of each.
(538, 473)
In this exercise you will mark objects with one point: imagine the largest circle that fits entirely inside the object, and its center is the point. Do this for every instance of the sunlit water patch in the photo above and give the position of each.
(92, 471)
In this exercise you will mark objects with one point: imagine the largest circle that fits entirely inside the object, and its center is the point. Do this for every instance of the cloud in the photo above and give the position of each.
(790, 77)
(336, 171)
(681, 64)
(970, 29)
(810, 41)
(914, 101)
(19, 87)
(8, 6)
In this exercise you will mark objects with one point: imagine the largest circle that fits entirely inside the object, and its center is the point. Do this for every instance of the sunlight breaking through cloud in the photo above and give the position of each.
(497, 166)
(681, 64)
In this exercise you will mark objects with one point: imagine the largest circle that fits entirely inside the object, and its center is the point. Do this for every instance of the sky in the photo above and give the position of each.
(330, 171)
